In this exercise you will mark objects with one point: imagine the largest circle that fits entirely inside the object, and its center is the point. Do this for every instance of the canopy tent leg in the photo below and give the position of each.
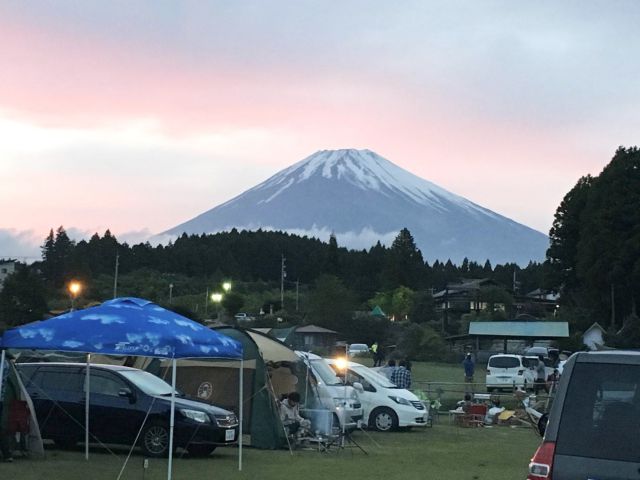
(240, 413)
(86, 408)
(172, 417)
(2, 358)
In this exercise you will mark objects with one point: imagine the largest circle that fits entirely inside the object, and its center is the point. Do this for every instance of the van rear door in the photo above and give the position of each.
(598, 435)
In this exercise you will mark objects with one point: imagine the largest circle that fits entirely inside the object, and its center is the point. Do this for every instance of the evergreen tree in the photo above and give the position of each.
(22, 298)
(404, 265)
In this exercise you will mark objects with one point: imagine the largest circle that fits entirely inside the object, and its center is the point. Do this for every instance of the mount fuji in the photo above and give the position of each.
(362, 197)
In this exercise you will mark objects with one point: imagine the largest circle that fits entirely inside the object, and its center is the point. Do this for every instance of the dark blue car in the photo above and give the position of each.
(120, 400)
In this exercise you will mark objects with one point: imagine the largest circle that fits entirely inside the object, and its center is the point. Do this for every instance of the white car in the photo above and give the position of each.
(358, 349)
(332, 394)
(510, 371)
(384, 406)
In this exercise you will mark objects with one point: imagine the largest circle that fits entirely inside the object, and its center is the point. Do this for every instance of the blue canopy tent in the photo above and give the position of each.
(128, 326)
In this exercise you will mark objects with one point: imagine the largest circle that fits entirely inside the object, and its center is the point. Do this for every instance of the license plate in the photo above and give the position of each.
(230, 435)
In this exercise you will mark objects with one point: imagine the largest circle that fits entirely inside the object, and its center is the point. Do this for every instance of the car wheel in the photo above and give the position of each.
(201, 450)
(155, 440)
(383, 419)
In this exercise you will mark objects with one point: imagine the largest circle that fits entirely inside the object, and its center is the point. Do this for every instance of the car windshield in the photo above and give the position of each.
(373, 377)
(325, 372)
(147, 382)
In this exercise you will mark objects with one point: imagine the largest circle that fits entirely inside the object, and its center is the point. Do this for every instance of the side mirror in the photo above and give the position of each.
(358, 387)
(127, 393)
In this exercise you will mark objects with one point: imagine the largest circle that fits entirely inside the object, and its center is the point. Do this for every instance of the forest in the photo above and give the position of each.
(593, 262)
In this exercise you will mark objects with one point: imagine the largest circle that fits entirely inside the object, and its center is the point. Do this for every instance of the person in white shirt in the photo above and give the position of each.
(290, 414)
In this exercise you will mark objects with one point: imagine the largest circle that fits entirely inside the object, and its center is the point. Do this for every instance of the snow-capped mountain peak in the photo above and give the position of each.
(365, 170)
(363, 198)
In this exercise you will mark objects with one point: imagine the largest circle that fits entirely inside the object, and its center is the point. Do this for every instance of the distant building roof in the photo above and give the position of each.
(520, 329)
(313, 329)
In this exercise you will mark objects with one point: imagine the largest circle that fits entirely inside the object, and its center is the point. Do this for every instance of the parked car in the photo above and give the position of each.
(384, 406)
(243, 317)
(356, 349)
(120, 399)
(593, 425)
(332, 393)
(506, 371)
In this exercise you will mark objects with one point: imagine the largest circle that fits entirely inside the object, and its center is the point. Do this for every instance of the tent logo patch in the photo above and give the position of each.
(205, 390)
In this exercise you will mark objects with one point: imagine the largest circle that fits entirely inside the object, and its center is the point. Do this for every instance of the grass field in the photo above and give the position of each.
(443, 452)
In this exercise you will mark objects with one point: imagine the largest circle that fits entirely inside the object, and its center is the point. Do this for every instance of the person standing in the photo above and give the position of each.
(401, 376)
(541, 376)
(469, 370)
(374, 353)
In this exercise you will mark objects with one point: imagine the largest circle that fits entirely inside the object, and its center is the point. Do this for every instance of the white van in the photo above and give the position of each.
(331, 393)
(384, 405)
(510, 371)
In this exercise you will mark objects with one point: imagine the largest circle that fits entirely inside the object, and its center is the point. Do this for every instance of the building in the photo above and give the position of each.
(489, 338)
(593, 337)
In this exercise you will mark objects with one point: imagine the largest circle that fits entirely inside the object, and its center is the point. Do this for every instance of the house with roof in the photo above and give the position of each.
(593, 337)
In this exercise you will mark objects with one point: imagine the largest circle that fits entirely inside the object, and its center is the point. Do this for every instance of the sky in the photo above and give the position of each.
(139, 115)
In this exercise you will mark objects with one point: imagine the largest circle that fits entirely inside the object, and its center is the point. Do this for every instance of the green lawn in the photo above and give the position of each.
(443, 452)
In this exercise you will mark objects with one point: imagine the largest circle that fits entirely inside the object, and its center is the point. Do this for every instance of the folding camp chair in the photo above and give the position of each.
(475, 416)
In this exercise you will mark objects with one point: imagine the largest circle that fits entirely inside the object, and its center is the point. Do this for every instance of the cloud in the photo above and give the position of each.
(23, 245)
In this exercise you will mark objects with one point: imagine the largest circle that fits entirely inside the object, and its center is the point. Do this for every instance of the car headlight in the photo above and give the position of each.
(400, 400)
(195, 415)
(340, 402)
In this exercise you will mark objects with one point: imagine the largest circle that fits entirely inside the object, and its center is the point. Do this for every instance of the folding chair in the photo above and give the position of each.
(475, 416)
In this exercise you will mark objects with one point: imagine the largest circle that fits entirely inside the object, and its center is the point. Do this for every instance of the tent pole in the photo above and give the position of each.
(86, 408)
(240, 405)
(2, 359)
(173, 416)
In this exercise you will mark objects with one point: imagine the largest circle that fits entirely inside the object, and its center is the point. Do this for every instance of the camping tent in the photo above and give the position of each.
(127, 326)
(270, 370)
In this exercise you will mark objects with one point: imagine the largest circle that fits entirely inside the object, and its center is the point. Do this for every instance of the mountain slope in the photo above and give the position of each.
(362, 198)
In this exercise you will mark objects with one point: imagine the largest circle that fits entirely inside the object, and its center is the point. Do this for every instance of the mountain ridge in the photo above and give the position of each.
(359, 195)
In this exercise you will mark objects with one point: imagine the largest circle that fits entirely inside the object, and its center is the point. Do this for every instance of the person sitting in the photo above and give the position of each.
(388, 369)
(494, 410)
(290, 414)
(465, 405)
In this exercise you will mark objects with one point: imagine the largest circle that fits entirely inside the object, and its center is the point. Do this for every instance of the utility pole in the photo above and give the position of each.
(206, 303)
(115, 277)
(297, 294)
(283, 274)
(170, 293)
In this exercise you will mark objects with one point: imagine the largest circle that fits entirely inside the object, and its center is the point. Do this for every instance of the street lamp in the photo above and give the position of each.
(74, 288)
(217, 298)
(226, 286)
